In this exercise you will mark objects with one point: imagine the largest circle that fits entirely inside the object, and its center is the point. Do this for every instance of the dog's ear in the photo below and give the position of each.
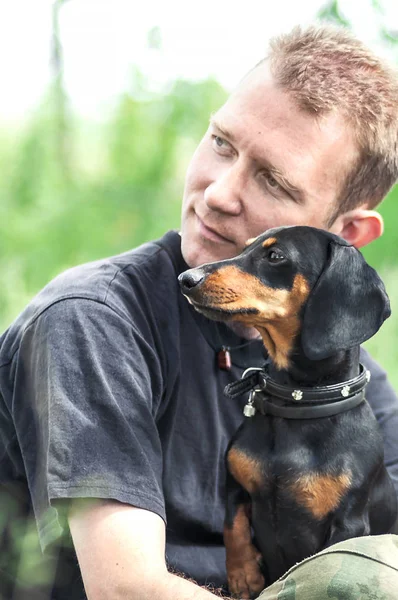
(347, 305)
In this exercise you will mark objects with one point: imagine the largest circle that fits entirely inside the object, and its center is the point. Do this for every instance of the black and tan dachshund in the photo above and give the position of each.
(305, 469)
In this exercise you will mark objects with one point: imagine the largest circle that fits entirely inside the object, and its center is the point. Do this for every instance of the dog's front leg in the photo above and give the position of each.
(245, 579)
(351, 519)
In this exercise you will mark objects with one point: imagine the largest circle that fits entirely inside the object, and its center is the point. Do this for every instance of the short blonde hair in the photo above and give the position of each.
(325, 68)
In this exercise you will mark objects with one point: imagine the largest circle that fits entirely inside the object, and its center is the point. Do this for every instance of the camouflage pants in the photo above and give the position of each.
(363, 568)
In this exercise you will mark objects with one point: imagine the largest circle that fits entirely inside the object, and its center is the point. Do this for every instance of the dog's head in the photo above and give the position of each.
(291, 281)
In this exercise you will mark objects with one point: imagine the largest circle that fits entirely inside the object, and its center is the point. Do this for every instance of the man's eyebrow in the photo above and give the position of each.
(221, 129)
(283, 179)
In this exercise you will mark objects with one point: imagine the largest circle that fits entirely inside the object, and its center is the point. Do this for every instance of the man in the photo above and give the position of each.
(111, 394)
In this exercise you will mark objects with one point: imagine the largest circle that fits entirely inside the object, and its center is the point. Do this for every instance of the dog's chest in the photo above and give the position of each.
(270, 462)
(259, 469)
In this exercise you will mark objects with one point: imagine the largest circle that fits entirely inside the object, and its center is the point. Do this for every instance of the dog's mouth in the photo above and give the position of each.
(222, 314)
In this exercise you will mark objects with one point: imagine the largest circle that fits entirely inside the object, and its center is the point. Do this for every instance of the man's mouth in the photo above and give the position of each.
(210, 233)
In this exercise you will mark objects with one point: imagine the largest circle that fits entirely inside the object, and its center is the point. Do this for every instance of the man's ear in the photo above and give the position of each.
(359, 226)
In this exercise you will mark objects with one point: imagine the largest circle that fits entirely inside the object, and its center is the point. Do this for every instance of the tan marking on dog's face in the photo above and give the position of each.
(320, 494)
(269, 242)
(277, 310)
(245, 469)
(278, 336)
(230, 288)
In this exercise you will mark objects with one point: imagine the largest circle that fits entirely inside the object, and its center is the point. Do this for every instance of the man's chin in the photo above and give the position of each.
(195, 254)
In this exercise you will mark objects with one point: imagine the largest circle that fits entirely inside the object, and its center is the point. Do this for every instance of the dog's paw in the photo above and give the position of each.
(246, 581)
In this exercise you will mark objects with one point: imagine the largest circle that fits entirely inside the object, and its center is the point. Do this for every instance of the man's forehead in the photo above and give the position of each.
(261, 72)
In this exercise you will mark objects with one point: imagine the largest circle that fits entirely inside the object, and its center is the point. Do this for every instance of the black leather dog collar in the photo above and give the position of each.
(265, 406)
(298, 403)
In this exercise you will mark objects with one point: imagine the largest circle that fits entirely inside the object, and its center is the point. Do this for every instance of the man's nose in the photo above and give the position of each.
(224, 194)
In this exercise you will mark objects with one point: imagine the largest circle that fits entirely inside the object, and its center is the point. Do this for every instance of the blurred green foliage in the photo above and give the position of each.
(108, 188)
(382, 255)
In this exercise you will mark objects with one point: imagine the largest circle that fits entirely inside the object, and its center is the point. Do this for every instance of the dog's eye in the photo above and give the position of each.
(275, 256)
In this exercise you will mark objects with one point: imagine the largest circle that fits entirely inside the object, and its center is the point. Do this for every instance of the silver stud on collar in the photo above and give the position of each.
(345, 391)
(297, 394)
(367, 375)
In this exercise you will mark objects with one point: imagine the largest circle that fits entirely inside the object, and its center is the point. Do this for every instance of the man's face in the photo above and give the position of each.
(262, 163)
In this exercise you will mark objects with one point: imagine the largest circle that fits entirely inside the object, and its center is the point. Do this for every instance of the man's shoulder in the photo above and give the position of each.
(94, 280)
(115, 282)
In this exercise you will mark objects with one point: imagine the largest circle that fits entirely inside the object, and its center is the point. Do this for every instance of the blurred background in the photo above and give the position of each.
(102, 104)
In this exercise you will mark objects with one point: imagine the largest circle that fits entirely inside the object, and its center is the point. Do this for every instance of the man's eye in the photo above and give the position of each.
(271, 183)
(220, 144)
(275, 256)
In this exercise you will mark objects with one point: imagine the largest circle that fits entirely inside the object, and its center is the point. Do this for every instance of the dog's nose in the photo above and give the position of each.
(190, 279)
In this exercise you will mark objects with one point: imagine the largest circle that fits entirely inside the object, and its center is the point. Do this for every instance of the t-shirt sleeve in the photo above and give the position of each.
(86, 384)
(384, 402)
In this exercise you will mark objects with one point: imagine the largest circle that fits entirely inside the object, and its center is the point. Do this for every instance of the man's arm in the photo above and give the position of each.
(384, 403)
(121, 553)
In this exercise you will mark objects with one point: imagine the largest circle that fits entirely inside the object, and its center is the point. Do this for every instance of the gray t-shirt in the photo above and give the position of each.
(109, 388)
